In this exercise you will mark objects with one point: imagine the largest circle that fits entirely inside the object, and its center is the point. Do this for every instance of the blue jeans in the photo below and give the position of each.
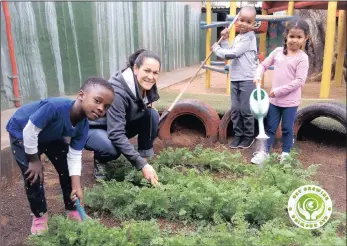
(273, 120)
(56, 152)
(145, 127)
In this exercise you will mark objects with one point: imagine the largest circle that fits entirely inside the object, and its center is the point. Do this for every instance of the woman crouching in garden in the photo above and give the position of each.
(130, 114)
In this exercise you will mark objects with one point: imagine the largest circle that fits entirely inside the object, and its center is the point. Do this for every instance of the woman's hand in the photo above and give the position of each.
(272, 94)
(150, 174)
(256, 81)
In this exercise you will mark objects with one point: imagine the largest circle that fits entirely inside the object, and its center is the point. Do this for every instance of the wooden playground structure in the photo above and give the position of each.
(335, 8)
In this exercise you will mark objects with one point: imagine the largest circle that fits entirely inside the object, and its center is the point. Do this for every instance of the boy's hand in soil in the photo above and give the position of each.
(34, 171)
(77, 191)
(150, 174)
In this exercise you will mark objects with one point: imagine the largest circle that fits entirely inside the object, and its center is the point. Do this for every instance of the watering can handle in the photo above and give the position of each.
(258, 92)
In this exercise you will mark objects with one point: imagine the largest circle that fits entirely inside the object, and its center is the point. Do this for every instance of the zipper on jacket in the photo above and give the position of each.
(150, 124)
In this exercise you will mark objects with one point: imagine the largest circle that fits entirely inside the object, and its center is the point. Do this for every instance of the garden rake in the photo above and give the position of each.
(166, 113)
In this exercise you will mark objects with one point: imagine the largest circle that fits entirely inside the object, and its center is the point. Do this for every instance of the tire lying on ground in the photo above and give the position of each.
(205, 113)
(223, 127)
(226, 126)
(341, 105)
(307, 114)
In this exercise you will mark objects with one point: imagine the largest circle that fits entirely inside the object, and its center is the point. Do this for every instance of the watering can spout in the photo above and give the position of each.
(259, 103)
(262, 134)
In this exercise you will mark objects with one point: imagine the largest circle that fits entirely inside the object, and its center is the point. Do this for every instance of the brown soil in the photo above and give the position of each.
(186, 138)
(218, 86)
(174, 226)
(331, 174)
(15, 210)
(108, 221)
(16, 220)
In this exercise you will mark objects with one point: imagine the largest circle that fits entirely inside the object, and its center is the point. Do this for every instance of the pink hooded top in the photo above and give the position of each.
(290, 73)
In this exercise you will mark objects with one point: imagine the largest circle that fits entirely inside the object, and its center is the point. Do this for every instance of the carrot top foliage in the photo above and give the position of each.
(228, 201)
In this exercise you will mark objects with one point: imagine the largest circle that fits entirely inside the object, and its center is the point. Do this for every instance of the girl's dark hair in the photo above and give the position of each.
(299, 24)
(139, 56)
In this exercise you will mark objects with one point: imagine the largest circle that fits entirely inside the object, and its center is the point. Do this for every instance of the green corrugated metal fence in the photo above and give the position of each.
(59, 44)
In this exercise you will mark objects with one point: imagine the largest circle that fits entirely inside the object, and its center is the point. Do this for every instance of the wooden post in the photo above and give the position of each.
(208, 43)
(231, 38)
(341, 47)
(290, 10)
(328, 50)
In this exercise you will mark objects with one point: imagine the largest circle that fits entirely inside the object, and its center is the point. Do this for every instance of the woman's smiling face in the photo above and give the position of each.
(147, 74)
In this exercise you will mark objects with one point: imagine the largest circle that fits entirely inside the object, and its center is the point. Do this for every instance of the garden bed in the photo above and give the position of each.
(331, 175)
(197, 203)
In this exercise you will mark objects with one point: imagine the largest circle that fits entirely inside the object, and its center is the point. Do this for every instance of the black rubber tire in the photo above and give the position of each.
(313, 111)
(341, 105)
(223, 127)
(199, 109)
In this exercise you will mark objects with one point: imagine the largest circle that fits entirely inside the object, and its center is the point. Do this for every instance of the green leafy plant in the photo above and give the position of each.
(247, 209)
(191, 194)
(142, 233)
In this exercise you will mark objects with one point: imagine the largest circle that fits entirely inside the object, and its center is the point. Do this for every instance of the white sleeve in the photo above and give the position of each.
(30, 138)
(74, 162)
(225, 44)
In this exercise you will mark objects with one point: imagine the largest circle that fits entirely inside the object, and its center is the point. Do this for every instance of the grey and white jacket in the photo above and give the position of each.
(243, 55)
(128, 105)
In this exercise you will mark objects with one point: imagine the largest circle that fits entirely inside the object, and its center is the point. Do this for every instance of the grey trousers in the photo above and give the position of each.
(241, 115)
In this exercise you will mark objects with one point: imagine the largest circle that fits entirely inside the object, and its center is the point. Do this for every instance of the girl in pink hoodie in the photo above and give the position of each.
(290, 72)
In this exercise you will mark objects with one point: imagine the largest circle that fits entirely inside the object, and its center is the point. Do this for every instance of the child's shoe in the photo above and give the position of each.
(284, 156)
(246, 143)
(39, 224)
(235, 142)
(73, 215)
(259, 157)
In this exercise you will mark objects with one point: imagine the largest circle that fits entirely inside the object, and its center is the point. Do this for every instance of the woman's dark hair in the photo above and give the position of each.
(299, 24)
(139, 56)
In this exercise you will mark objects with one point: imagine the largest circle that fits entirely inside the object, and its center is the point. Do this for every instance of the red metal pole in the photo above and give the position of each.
(14, 76)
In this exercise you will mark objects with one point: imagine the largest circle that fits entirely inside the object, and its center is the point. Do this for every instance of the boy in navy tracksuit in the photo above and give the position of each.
(40, 127)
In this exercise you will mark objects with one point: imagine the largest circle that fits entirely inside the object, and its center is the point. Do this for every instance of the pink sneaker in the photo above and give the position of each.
(73, 215)
(40, 224)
